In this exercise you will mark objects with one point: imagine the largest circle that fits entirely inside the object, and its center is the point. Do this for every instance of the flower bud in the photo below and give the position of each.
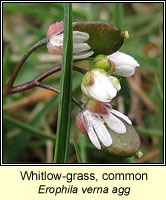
(124, 64)
(81, 48)
(102, 62)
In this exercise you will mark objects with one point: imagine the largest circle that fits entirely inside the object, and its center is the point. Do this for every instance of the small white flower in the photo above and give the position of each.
(81, 49)
(124, 64)
(97, 84)
(95, 129)
(93, 123)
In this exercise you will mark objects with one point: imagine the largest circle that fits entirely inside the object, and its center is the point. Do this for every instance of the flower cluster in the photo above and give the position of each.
(100, 84)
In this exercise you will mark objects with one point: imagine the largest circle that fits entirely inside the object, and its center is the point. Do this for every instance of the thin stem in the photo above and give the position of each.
(21, 62)
(48, 73)
(35, 82)
(49, 87)
(81, 70)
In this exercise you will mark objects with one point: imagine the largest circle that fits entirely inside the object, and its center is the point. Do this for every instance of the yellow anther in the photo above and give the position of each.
(139, 154)
(126, 34)
(103, 121)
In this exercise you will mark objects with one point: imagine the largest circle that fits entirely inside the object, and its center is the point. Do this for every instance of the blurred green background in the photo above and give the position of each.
(141, 97)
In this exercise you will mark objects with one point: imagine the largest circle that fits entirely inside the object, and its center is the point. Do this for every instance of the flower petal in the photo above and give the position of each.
(79, 37)
(91, 132)
(114, 123)
(124, 70)
(56, 40)
(93, 137)
(120, 58)
(80, 124)
(121, 115)
(97, 107)
(55, 29)
(80, 47)
(83, 55)
(106, 83)
(102, 89)
(101, 131)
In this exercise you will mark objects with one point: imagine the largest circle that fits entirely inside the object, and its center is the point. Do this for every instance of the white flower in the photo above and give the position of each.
(95, 129)
(94, 123)
(97, 84)
(124, 64)
(81, 49)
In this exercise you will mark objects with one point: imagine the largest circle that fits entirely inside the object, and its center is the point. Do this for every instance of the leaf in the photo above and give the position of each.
(125, 144)
(64, 109)
(104, 38)
(28, 128)
(20, 141)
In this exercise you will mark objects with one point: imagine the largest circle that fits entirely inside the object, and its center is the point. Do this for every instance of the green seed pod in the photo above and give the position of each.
(104, 38)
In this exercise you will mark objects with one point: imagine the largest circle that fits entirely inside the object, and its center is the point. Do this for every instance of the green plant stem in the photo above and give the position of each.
(118, 15)
(29, 128)
(63, 124)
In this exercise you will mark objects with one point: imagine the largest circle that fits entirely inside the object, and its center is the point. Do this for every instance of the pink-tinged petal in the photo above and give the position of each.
(80, 124)
(56, 40)
(56, 50)
(114, 123)
(121, 115)
(97, 107)
(56, 29)
(101, 131)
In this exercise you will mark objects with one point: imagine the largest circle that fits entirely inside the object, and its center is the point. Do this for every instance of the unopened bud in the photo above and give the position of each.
(102, 62)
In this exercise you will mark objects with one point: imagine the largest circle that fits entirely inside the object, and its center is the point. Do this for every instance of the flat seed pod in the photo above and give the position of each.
(124, 144)
(104, 38)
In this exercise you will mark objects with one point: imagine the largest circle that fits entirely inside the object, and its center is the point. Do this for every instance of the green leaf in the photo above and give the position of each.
(118, 14)
(76, 147)
(20, 141)
(63, 125)
(104, 38)
(125, 144)
(28, 128)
